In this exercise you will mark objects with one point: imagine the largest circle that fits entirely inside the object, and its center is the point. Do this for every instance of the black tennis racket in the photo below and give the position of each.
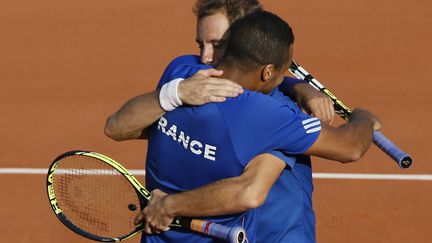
(99, 199)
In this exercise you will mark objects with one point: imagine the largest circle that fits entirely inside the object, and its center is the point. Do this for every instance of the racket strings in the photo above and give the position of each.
(95, 197)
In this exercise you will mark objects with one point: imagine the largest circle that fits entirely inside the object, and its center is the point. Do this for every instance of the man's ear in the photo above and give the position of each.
(267, 72)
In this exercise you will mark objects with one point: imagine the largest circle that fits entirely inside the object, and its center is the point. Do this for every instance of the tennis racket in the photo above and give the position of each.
(99, 199)
(403, 159)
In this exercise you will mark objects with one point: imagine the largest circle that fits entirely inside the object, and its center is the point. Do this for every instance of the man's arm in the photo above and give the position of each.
(227, 196)
(134, 116)
(310, 100)
(348, 142)
(313, 102)
(345, 143)
(137, 114)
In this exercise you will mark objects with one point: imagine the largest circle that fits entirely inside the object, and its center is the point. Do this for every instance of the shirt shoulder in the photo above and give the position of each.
(181, 67)
(288, 83)
(289, 160)
(252, 104)
(259, 123)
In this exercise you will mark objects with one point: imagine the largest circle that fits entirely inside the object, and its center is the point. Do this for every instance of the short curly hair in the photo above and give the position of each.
(234, 9)
(259, 38)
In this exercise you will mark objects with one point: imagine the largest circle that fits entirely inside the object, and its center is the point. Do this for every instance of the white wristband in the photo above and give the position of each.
(168, 96)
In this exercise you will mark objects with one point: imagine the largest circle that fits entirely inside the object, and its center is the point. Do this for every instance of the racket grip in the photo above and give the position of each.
(233, 235)
(403, 159)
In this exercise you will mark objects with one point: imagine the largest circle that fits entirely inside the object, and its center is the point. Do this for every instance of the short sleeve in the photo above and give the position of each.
(288, 83)
(289, 160)
(190, 60)
(183, 71)
(258, 123)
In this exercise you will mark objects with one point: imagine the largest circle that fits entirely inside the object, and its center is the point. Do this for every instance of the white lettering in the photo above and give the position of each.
(162, 124)
(172, 132)
(210, 152)
(183, 139)
(193, 149)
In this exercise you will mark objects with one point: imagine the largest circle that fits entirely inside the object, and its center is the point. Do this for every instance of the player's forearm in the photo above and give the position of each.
(231, 195)
(312, 101)
(134, 117)
(358, 137)
(299, 91)
(346, 143)
(227, 196)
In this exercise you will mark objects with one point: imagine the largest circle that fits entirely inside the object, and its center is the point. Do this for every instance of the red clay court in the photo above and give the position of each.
(66, 65)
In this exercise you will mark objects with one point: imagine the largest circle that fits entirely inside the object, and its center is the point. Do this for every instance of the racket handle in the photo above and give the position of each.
(403, 159)
(230, 234)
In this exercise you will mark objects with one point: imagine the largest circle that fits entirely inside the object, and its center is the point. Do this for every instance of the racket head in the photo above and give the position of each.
(95, 196)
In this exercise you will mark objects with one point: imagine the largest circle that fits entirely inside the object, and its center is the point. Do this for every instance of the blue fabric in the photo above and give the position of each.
(288, 83)
(178, 61)
(193, 146)
(287, 215)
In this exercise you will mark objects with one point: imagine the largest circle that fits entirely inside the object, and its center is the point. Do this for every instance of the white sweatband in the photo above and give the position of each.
(168, 96)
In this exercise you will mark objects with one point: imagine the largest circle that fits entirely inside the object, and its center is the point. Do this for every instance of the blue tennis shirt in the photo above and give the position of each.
(196, 145)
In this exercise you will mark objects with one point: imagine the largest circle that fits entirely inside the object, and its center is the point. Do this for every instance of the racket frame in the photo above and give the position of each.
(141, 191)
(232, 234)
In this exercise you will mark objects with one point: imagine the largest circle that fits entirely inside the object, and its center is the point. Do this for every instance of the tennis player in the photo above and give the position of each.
(189, 142)
(294, 187)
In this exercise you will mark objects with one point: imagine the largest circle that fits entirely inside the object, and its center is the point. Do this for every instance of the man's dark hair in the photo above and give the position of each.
(234, 9)
(258, 39)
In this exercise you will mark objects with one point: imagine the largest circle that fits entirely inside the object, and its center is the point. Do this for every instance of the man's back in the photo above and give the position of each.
(289, 202)
(193, 146)
(187, 143)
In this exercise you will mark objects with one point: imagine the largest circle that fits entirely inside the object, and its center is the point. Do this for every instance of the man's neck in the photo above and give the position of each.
(247, 80)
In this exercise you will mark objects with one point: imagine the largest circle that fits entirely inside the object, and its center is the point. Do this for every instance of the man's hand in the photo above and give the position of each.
(314, 103)
(155, 216)
(359, 113)
(205, 87)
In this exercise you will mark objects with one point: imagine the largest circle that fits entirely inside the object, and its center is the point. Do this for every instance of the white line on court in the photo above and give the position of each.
(352, 176)
(349, 176)
(43, 171)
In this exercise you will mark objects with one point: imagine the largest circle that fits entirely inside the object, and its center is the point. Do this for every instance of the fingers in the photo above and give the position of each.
(155, 215)
(211, 72)
(328, 110)
(216, 99)
(138, 219)
(151, 225)
(360, 112)
(219, 83)
(219, 95)
(155, 229)
(157, 193)
(225, 91)
(322, 108)
(152, 228)
(212, 76)
(199, 90)
(331, 111)
(377, 125)
(314, 103)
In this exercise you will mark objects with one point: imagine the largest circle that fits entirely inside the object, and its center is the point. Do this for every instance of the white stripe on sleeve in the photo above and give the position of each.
(316, 129)
(309, 120)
